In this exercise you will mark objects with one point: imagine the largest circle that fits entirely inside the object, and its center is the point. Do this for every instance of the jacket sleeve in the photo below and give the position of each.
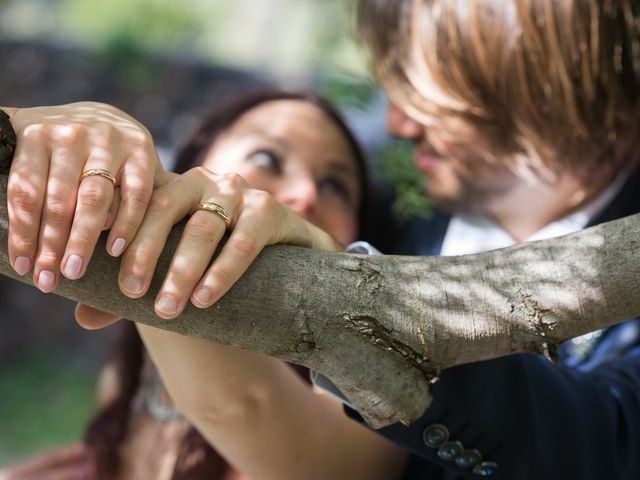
(522, 417)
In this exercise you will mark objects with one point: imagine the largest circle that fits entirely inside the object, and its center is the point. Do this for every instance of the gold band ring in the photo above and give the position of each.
(101, 173)
(215, 208)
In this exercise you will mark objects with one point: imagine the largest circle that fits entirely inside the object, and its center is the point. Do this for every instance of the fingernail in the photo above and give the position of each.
(23, 265)
(203, 296)
(46, 281)
(73, 266)
(118, 247)
(167, 305)
(132, 284)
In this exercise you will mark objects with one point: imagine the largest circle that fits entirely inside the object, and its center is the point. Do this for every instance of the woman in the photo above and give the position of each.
(297, 148)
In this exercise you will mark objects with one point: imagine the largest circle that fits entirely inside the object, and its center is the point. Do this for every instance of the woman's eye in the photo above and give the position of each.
(337, 187)
(265, 159)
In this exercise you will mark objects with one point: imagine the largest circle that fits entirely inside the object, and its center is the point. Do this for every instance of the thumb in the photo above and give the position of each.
(93, 319)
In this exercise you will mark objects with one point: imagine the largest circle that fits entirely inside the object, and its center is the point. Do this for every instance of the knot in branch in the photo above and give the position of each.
(538, 317)
(377, 334)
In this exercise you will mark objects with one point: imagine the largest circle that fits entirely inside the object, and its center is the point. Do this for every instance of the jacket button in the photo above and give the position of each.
(450, 450)
(468, 459)
(486, 469)
(435, 435)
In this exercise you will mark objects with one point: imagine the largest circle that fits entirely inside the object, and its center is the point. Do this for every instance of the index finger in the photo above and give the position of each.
(246, 241)
(25, 197)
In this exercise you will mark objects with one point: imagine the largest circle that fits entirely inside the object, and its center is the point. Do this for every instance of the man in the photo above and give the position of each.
(524, 116)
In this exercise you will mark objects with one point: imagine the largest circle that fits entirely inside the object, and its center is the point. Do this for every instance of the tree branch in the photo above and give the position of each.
(382, 328)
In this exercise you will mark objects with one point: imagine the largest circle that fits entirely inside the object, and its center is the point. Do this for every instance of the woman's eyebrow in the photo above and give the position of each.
(343, 167)
(260, 135)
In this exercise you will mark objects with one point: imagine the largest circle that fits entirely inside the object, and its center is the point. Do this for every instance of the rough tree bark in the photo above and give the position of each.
(382, 328)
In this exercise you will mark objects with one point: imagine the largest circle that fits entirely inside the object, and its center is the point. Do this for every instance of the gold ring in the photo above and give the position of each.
(215, 208)
(101, 173)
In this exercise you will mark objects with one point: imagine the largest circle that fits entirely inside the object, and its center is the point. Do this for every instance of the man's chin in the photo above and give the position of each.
(452, 206)
(469, 196)
(457, 204)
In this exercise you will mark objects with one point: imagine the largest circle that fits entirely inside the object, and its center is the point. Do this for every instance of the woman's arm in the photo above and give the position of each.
(254, 409)
(260, 415)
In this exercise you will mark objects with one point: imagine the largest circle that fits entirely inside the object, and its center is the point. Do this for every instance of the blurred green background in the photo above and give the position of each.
(165, 62)
(284, 37)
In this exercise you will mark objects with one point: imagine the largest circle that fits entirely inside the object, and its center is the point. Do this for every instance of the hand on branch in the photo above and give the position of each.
(255, 220)
(56, 215)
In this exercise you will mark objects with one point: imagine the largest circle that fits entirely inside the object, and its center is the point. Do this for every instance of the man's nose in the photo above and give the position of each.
(400, 125)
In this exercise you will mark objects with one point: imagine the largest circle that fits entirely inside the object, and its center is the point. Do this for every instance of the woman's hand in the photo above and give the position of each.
(256, 220)
(55, 216)
(64, 463)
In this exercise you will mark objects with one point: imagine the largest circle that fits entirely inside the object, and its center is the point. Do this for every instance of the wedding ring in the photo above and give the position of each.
(101, 173)
(215, 208)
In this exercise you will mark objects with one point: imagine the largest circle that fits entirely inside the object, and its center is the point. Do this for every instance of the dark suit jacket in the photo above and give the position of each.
(525, 417)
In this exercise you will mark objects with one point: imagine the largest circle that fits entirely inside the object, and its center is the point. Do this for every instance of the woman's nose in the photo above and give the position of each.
(400, 125)
(301, 196)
